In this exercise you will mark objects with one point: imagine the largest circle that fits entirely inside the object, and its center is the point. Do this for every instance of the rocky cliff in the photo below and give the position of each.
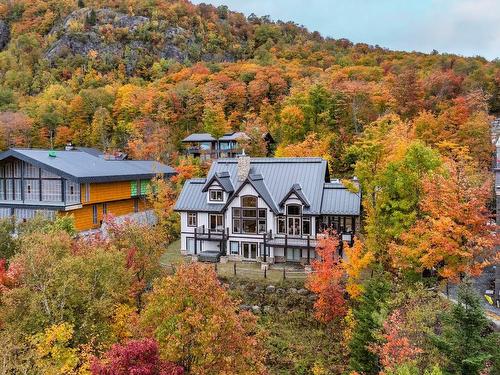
(120, 38)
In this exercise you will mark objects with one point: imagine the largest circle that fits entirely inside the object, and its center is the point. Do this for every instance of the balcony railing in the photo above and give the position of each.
(211, 234)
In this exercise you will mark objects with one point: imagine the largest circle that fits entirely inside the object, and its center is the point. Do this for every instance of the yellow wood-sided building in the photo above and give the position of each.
(77, 181)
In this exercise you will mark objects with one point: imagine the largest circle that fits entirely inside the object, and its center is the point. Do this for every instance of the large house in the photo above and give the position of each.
(265, 209)
(81, 182)
(207, 147)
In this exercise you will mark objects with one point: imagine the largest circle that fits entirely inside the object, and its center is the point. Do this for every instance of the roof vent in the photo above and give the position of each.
(52, 154)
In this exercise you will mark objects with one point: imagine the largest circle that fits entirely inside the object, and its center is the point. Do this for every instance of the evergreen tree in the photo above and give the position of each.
(369, 315)
(465, 339)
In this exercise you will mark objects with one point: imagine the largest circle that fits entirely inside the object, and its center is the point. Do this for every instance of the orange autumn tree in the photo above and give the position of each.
(197, 324)
(454, 235)
(358, 259)
(312, 146)
(327, 281)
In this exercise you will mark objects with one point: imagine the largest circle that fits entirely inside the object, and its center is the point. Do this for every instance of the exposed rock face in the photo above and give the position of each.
(4, 34)
(121, 38)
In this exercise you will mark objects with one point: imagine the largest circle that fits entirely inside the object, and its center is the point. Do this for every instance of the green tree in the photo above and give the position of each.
(60, 281)
(8, 243)
(102, 128)
(369, 314)
(466, 340)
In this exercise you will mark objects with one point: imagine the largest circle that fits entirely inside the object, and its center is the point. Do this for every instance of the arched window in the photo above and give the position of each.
(249, 201)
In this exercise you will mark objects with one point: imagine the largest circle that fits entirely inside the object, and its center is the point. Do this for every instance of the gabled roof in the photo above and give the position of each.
(82, 166)
(257, 182)
(192, 198)
(199, 137)
(224, 181)
(297, 190)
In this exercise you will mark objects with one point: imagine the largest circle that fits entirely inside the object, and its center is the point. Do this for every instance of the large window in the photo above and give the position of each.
(342, 224)
(216, 195)
(32, 190)
(215, 223)
(248, 218)
(192, 219)
(51, 190)
(72, 192)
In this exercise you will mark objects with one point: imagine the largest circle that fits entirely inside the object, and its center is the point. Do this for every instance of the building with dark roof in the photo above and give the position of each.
(82, 182)
(206, 147)
(265, 209)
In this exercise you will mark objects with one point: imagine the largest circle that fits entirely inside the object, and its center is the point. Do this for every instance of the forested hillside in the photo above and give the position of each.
(141, 75)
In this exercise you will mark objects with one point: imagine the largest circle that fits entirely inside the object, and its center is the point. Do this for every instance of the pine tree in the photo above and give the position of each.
(369, 315)
(465, 339)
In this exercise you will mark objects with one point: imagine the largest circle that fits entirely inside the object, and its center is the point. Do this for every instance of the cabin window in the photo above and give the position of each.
(280, 225)
(216, 196)
(136, 205)
(94, 214)
(192, 219)
(306, 225)
(104, 208)
(215, 221)
(234, 247)
(87, 192)
(190, 245)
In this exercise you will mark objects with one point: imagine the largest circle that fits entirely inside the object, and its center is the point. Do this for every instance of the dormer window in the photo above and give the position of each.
(215, 195)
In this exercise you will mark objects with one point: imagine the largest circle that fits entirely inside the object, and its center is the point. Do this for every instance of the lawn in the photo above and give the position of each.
(244, 270)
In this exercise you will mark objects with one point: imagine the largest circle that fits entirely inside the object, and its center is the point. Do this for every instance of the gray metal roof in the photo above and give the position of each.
(337, 200)
(199, 137)
(234, 136)
(192, 198)
(274, 178)
(81, 166)
(224, 181)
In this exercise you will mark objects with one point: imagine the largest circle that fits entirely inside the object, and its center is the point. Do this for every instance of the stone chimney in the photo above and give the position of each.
(243, 166)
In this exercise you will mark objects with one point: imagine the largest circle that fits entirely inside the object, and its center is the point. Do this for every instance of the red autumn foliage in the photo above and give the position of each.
(327, 281)
(397, 348)
(136, 357)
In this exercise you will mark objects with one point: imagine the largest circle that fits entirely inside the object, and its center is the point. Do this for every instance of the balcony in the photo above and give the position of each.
(208, 234)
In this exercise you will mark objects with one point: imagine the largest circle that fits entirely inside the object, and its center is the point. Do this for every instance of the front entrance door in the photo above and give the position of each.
(249, 250)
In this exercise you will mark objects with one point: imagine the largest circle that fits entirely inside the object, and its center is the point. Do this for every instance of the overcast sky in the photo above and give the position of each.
(465, 27)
